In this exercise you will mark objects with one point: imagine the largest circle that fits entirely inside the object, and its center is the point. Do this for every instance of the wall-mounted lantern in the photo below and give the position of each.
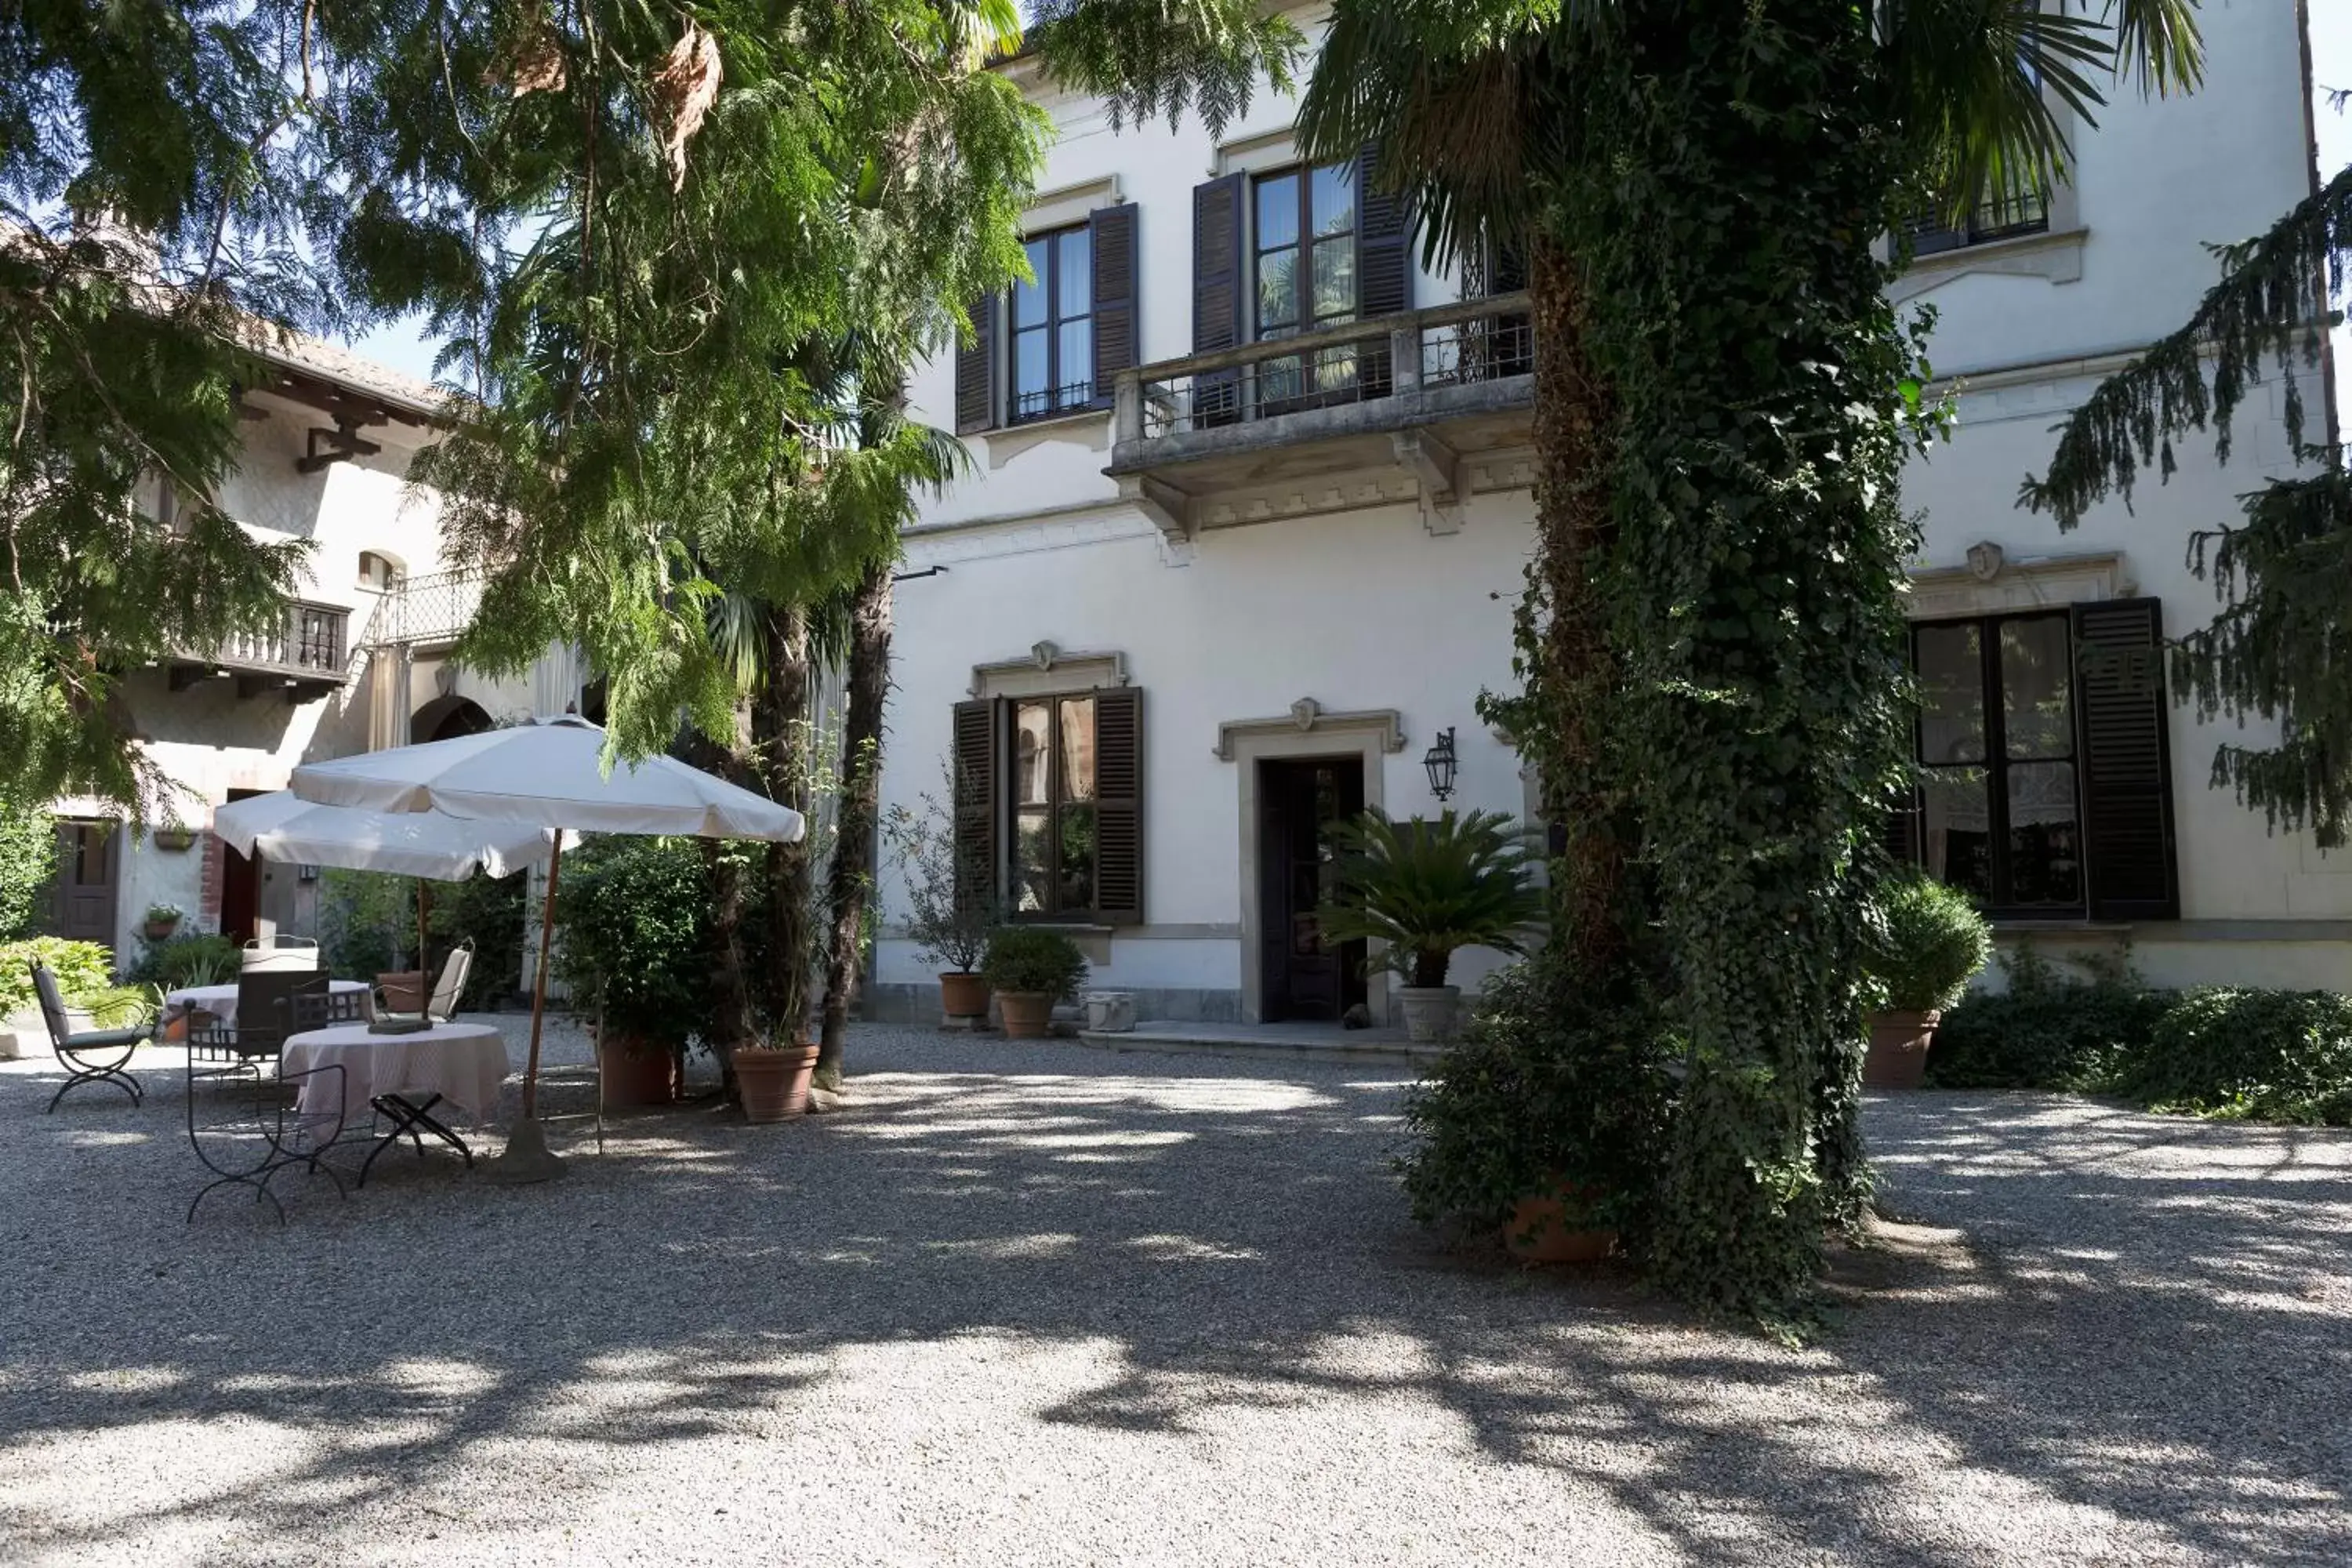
(1439, 760)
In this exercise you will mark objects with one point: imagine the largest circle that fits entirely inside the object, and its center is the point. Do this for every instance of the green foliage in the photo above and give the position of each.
(1932, 943)
(951, 931)
(83, 969)
(1025, 960)
(491, 910)
(2278, 648)
(367, 922)
(2042, 1032)
(1430, 888)
(28, 852)
(1525, 1098)
(631, 933)
(2224, 1051)
(190, 959)
(163, 914)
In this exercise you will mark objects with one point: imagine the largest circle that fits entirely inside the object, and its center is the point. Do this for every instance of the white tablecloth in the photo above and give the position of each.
(463, 1063)
(220, 1001)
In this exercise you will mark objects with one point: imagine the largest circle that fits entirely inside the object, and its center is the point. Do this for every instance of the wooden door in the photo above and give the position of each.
(85, 891)
(240, 906)
(1299, 802)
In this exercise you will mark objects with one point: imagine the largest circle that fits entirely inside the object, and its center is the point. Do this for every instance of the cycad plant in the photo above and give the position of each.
(1428, 888)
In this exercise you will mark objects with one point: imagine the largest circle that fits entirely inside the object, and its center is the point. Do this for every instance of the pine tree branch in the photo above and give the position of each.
(2266, 308)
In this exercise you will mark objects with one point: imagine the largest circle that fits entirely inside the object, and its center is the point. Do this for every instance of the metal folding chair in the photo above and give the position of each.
(92, 1055)
(240, 1123)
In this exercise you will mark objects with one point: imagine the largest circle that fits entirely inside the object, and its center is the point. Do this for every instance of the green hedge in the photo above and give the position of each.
(84, 970)
(2223, 1051)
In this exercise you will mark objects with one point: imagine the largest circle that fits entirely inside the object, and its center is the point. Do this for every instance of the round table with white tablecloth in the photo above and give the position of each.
(463, 1064)
(220, 1001)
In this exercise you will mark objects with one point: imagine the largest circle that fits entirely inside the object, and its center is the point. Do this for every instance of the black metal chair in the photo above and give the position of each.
(318, 1008)
(92, 1055)
(240, 1123)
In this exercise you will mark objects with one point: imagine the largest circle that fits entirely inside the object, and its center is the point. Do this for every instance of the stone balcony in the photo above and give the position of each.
(1431, 407)
(304, 657)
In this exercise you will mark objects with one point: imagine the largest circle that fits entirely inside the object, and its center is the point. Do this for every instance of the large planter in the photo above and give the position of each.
(1027, 1015)
(1541, 1231)
(160, 930)
(775, 1083)
(635, 1073)
(963, 994)
(1429, 1011)
(1898, 1047)
(404, 989)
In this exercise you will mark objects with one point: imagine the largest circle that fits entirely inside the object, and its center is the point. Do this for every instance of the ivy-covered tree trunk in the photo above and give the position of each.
(780, 737)
(851, 876)
(1739, 319)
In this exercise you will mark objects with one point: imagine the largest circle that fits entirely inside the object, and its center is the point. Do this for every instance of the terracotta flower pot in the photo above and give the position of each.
(1541, 1228)
(775, 1083)
(963, 994)
(1898, 1047)
(161, 930)
(404, 989)
(635, 1074)
(1028, 1015)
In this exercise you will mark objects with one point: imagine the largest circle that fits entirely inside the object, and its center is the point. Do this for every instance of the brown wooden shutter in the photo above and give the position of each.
(977, 783)
(1383, 264)
(1112, 236)
(976, 370)
(1900, 833)
(1118, 807)
(2126, 760)
(1218, 294)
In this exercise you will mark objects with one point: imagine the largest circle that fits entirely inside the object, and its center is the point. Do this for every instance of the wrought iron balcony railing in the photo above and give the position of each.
(437, 607)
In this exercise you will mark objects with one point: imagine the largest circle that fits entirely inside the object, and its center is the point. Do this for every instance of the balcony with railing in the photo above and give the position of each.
(1430, 406)
(304, 657)
(429, 610)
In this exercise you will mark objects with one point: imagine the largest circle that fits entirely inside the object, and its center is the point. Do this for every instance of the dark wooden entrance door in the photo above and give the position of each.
(1299, 802)
(83, 894)
(240, 907)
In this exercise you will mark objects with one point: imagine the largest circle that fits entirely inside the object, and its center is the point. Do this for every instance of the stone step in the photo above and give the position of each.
(1287, 1042)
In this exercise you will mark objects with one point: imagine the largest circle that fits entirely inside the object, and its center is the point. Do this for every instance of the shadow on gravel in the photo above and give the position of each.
(2153, 1326)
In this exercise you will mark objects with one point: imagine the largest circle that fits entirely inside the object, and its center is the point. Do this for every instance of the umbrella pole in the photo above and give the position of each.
(528, 1158)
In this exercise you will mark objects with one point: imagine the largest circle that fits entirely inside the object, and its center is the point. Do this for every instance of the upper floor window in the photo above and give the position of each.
(1305, 249)
(1052, 327)
(2002, 218)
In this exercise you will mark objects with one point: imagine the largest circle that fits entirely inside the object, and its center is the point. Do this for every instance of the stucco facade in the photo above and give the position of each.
(1373, 589)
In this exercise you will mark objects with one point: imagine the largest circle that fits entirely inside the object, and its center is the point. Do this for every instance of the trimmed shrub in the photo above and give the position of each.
(632, 920)
(2046, 1032)
(1932, 943)
(1023, 959)
(196, 959)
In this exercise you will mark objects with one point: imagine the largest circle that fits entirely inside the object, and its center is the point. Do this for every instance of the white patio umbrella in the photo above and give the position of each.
(548, 773)
(282, 826)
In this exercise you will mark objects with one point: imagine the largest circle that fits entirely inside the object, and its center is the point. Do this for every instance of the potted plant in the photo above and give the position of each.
(946, 919)
(1030, 969)
(1931, 941)
(632, 946)
(774, 1080)
(162, 921)
(1427, 890)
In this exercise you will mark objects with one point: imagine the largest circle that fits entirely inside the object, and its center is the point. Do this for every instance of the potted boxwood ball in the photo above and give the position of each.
(1030, 969)
(632, 946)
(1931, 942)
(1428, 889)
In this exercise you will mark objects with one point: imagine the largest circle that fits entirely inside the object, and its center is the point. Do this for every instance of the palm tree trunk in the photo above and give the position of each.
(780, 739)
(851, 876)
(1575, 675)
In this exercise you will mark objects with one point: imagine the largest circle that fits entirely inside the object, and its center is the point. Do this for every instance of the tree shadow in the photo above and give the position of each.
(2142, 1356)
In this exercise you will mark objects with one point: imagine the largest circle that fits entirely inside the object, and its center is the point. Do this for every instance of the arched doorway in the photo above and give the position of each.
(445, 718)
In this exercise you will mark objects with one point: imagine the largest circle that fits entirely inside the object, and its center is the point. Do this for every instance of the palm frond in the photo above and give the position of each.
(1428, 888)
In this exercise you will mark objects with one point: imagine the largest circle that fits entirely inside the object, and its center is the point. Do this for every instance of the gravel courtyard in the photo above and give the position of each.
(1037, 1303)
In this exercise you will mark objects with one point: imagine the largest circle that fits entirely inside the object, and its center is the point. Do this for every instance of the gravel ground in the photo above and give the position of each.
(1034, 1303)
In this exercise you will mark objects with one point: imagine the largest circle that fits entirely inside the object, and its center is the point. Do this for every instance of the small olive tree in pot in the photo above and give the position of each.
(946, 919)
(1930, 943)
(1429, 888)
(1030, 969)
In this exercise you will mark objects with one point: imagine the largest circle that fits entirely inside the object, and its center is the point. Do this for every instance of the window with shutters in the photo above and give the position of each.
(1052, 327)
(1055, 343)
(1049, 807)
(1303, 273)
(2042, 774)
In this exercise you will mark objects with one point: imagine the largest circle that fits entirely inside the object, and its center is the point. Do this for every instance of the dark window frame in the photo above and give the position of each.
(1060, 399)
(1997, 763)
(2010, 217)
(1337, 372)
(1058, 800)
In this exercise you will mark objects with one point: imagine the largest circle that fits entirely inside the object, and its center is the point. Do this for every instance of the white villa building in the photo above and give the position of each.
(362, 663)
(1204, 595)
